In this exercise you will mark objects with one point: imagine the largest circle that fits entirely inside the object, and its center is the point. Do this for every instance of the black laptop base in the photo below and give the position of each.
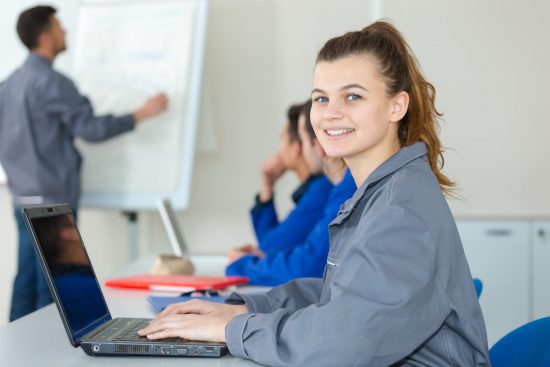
(110, 340)
(152, 349)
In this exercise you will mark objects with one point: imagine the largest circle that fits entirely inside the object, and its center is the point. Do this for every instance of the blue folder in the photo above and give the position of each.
(159, 303)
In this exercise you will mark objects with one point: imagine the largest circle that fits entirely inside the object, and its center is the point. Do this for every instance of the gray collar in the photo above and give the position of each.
(36, 59)
(400, 159)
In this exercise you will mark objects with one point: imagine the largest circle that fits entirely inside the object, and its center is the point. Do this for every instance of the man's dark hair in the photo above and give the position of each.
(293, 115)
(306, 110)
(32, 22)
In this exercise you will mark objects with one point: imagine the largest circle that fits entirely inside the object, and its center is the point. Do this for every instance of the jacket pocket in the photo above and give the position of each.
(331, 266)
(449, 346)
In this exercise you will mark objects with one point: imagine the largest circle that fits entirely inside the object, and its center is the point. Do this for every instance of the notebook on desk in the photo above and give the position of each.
(160, 282)
(79, 299)
(159, 303)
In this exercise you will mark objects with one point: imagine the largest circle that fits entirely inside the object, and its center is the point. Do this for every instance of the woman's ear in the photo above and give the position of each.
(399, 106)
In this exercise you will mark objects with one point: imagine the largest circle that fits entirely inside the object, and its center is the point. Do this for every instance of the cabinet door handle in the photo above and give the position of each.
(499, 232)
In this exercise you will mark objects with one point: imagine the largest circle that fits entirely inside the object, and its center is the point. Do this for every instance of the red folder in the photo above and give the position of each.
(149, 281)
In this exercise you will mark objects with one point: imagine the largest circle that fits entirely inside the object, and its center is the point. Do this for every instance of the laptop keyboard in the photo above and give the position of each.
(130, 333)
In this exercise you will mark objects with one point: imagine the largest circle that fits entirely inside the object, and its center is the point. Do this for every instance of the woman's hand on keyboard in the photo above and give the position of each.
(193, 320)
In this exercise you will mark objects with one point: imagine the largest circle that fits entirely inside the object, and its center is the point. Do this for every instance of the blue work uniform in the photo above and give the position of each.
(306, 259)
(396, 289)
(310, 199)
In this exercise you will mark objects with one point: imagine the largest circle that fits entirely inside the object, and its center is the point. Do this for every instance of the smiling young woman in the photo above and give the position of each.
(353, 117)
(396, 289)
(378, 76)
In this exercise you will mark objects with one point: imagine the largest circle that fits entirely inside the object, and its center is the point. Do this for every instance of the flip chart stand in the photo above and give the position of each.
(132, 234)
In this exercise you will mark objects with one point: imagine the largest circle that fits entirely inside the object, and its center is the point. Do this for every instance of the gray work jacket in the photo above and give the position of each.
(397, 289)
(41, 113)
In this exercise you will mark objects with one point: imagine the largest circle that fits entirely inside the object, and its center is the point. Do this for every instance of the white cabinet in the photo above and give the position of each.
(498, 253)
(541, 268)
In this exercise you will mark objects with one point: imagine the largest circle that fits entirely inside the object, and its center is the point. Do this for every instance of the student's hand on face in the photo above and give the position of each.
(193, 320)
(273, 168)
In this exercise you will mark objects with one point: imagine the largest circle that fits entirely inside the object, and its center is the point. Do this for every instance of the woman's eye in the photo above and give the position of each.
(353, 97)
(321, 99)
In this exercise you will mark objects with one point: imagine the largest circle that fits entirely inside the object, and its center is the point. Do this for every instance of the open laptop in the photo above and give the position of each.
(80, 302)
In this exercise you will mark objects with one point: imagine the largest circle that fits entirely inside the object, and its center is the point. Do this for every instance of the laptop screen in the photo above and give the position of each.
(71, 271)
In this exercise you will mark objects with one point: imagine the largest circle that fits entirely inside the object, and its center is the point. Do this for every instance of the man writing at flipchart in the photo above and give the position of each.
(41, 113)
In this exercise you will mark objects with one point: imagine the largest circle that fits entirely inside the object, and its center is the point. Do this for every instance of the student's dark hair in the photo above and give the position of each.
(399, 68)
(293, 114)
(32, 22)
(306, 110)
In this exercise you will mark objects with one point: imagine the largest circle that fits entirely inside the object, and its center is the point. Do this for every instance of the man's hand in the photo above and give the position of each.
(152, 107)
(247, 249)
(272, 168)
(193, 320)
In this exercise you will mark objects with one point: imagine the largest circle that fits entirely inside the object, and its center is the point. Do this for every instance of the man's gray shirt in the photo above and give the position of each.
(41, 113)
(397, 289)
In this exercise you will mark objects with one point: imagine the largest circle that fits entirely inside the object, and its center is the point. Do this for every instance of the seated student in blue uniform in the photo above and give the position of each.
(307, 258)
(310, 197)
(397, 290)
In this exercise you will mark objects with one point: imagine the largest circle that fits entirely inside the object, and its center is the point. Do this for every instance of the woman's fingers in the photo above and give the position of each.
(193, 327)
(195, 320)
(193, 306)
(170, 322)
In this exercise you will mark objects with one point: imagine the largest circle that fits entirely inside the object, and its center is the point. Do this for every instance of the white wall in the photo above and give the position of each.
(487, 60)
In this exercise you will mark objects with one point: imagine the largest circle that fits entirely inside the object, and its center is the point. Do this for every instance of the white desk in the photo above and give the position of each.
(39, 339)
